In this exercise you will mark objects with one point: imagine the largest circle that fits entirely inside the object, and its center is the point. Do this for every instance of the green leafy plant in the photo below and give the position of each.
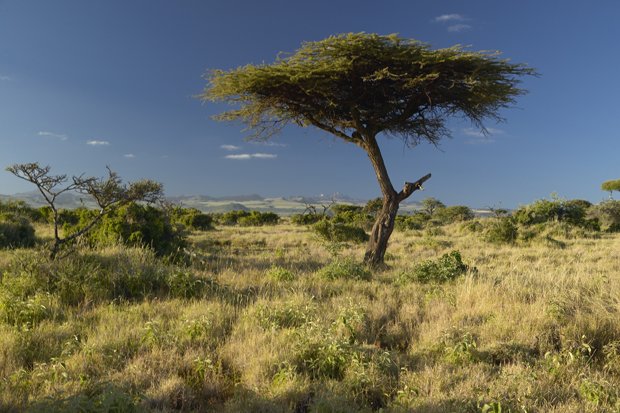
(445, 268)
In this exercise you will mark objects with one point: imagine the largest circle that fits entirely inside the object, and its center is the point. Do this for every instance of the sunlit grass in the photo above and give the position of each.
(252, 325)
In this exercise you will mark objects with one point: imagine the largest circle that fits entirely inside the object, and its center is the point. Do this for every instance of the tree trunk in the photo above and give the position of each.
(381, 231)
(384, 224)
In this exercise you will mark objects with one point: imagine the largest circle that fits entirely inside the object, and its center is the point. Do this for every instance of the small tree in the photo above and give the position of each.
(431, 205)
(108, 193)
(611, 186)
(361, 86)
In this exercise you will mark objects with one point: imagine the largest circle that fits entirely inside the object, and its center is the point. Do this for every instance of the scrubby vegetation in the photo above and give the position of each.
(472, 315)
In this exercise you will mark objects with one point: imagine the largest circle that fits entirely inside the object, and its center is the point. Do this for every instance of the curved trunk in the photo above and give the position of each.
(381, 231)
(384, 224)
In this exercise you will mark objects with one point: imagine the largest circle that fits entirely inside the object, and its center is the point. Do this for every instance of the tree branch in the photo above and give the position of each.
(410, 187)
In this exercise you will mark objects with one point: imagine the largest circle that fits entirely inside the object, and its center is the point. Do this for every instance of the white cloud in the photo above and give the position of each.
(5, 78)
(129, 155)
(230, 147)
(47, 134)
(95, 142)
(242, 156)
(458, 28)
(452, 17)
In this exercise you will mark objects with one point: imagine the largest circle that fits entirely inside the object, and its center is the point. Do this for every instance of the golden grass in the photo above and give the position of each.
(530, 328)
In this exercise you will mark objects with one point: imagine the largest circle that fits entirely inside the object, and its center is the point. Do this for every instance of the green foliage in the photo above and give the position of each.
(607, 215)
(501, 231)
(430, 205)
(21, 208)
(332, 231)
(126, 274)
(367, 79)
(415, 221)
(192, 218)
(321, 355)
(306, 219)
(280, 274)
(134, 225)
(246, 218)
(285, 315)
(610, 186)
(560, 210)
(445, 268)
(343, 268)
(15, 231)
(102, 398)
(451, 214)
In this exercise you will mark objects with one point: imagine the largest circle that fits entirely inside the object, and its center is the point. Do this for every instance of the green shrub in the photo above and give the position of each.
(606, 214)
(277, 273)
(16, 231)
(287, 315)
(21, 208)
(415, 221)
(338, 232)
(344, 269)
(306, 219)
(321, 355)
(353, 216)
(247, 218)
(451, 214)
(185, 284)
(133, 225)
(556, 210)
(446, 268)
(501, 231)
(257, 219)
(192, 218)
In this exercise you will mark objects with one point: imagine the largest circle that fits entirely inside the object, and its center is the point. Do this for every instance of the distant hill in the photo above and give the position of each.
(280, 205)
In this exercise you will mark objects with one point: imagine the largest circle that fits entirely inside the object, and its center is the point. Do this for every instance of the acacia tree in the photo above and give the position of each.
(611, 186)
(361, 86)
(108, 193)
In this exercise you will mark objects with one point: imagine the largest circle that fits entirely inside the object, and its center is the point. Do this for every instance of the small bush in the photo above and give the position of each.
(287, 315)
(344, 269)
(415, 221)
(451, 214)
(192, 218)
(322, 356)
(133, 225)
(607, 215)
(339, 232)
(446, 268)
(277, 273)
(257, 219)
(501, 231)
(306, 219)
(16, 231)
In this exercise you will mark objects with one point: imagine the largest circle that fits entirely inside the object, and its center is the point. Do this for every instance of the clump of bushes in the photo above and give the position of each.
(555, 210)
(192, 218)
(16, 231)
(134, 225)
(501, 231)
(344, 268)
(445, 268)
(607, 215)
(246, 218)
(415, 221)
(332, 231)
(100, 276)
(306, 219)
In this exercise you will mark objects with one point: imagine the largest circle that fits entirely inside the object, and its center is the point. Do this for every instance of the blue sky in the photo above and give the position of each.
(85, 84)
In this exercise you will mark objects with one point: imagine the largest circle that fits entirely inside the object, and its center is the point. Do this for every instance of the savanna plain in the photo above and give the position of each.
(480, 315)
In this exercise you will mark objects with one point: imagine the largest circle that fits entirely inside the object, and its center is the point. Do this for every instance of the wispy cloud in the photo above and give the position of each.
(230, 147)
(95, 142)
(48, 134)
(452, 17)
(243, 156)
(454, 21)
(455, 28)
(129, 155)
(5, 78)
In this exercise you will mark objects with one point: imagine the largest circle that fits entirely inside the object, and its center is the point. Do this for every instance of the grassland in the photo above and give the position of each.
(253, 324)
